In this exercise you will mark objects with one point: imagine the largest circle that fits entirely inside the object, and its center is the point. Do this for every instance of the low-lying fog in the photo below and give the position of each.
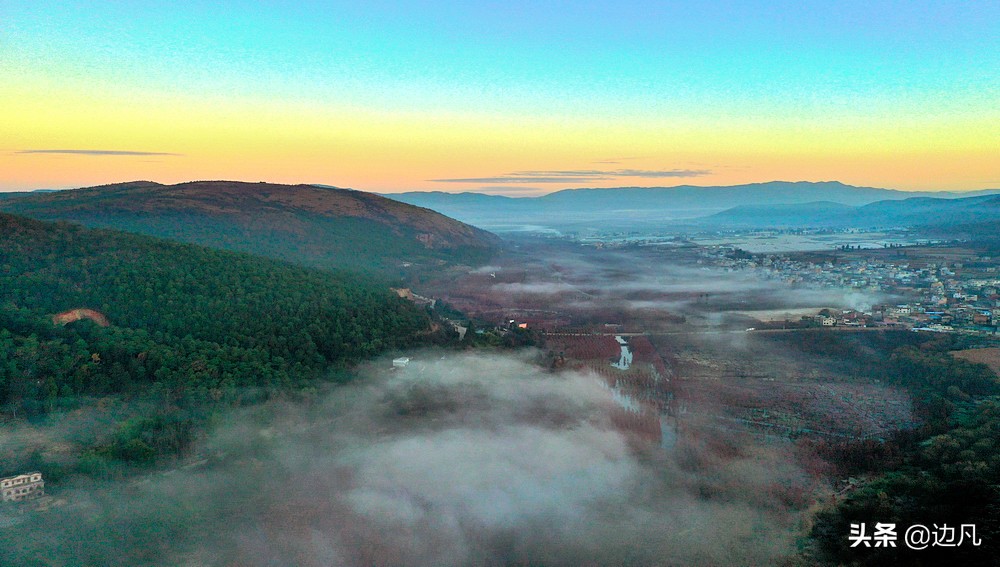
(465, 459)
(584, 280)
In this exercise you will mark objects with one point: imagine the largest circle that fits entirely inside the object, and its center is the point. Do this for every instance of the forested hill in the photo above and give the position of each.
(190, 320)
(314, 226)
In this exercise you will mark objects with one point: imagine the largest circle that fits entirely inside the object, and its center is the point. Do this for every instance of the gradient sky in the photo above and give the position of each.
(507, 97)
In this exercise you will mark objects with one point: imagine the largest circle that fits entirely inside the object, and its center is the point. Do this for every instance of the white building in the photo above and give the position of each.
(22, 487)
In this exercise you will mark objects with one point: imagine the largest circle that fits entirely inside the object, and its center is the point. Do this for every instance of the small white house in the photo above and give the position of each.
(400, 362)
(22, 487)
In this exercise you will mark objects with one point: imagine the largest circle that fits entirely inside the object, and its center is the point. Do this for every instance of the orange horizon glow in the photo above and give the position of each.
(294, 97)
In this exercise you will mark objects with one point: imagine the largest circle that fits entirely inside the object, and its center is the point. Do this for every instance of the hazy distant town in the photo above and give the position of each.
(931, 292)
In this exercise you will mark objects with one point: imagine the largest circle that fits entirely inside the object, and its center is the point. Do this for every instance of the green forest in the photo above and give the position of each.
(188, 326)
(345, 243)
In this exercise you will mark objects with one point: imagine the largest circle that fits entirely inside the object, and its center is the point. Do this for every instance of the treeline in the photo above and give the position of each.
(191, 322)
(946, 471)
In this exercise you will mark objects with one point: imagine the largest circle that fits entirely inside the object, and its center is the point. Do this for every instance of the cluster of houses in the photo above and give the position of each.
(939, 296)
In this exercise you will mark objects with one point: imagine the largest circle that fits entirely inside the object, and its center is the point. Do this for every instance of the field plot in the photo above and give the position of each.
(737, 382)
(837, 410)
(988, 356)
(584, 347)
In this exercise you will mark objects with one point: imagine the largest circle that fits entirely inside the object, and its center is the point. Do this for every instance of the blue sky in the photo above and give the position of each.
(678, 74)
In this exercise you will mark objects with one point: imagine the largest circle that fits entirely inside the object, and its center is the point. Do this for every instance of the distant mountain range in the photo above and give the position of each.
(975, 217)
(918, 211)
(655, 204)
(315, 226)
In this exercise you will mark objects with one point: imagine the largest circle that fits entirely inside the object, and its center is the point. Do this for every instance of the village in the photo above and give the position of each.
(932, 288)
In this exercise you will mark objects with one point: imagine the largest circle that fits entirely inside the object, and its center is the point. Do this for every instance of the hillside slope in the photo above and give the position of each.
(195, 321)
(310, 225)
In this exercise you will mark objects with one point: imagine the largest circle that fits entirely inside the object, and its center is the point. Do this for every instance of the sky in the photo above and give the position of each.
(512, 97)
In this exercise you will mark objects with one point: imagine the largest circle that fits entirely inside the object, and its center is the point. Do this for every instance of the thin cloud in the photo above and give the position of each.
(576, 176)
(99, 152)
